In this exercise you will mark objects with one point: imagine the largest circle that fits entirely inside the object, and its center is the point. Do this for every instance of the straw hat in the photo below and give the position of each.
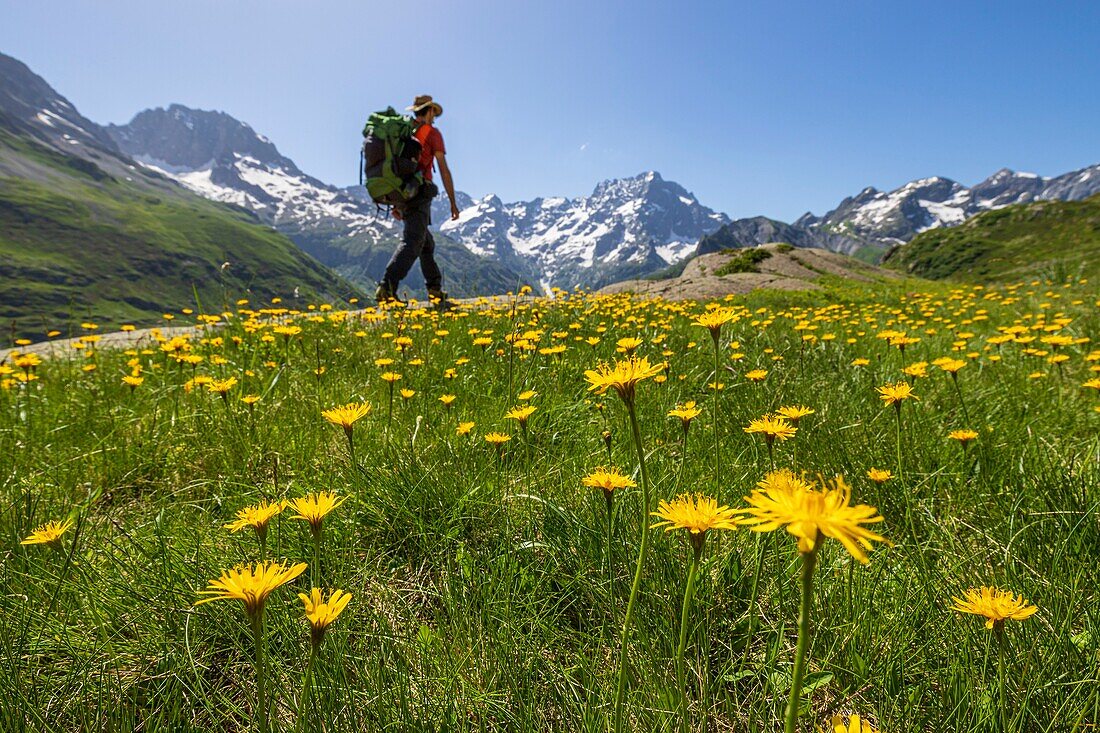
(425, 100)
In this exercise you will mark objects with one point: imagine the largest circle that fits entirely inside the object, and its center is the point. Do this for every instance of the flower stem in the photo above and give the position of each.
(809, 562)
(1000, 634)
(697, 548)
(897, 413)
(261, 689)
(307, 684)
(620, 690)
(714, 417)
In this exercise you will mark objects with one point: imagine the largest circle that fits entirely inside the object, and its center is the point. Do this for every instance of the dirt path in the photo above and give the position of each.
(144, 336)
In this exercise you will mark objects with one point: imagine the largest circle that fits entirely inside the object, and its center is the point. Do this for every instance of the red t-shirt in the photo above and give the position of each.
(431, 142)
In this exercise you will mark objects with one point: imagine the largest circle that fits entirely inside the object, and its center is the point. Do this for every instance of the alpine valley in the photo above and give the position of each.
(627, 228)
(87, 233)
(105, 218)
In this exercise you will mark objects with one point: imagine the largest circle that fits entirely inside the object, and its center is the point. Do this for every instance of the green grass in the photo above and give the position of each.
(481, 597)
(742, 260)
(1048, 239)
(76, 243)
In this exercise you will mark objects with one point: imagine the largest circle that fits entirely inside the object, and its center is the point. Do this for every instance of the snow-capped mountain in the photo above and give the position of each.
(627, 227)
(884, 219)
(874, 221)
(224, 159)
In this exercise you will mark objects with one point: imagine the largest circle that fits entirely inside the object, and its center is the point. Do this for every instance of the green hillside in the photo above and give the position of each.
(1053, 239)
(78, 242)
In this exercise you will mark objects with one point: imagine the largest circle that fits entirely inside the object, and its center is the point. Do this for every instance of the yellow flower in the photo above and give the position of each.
(520, 414)
(464, 427)
(250, 399)
(963, 436)
(256, 516)
(628, 344)
(314, 507)
(996, 605)
(860, 362)
(714, 320)
(952, 366)
(879, 475)
(854, 725)
(48, 534)
(497, 439)
(321, 613)
(623, 377)
(608, 480)
(895, 394)
(390, 377)
(1092, 384)
(783, 500)
(251, 585)
(447, 399)
(407, 393)
(347, 415)
(222, 386)
(686, 412)
(132, 381)
(794, 413)
(773, 428)
(756, 375)
(527, 395)
(917, 369)
(697, 514)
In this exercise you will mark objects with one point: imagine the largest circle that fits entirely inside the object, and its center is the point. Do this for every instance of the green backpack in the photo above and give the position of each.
(391, 157)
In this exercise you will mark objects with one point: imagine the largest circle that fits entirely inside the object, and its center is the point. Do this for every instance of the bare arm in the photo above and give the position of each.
(448, 182)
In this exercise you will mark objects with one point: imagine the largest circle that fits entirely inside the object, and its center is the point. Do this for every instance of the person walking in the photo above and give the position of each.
(417, 241)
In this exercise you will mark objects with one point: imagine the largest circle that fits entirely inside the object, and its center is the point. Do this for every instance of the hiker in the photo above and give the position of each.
(417, 240)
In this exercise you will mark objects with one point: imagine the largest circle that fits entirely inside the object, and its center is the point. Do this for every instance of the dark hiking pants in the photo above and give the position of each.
(417, 242)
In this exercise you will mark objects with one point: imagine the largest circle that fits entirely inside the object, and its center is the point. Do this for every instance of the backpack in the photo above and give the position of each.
(391, 158)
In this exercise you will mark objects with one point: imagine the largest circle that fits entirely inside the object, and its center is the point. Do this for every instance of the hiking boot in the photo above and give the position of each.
(438, 299)
(386, 294)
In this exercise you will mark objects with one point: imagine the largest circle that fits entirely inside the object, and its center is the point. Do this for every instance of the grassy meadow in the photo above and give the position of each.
(486, 590)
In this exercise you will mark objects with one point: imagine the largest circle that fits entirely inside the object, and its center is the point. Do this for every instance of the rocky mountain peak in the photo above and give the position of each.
(28, 104)
(183, 138)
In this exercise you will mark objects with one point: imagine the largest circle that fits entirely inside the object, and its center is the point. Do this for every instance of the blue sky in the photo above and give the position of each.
(758, 108)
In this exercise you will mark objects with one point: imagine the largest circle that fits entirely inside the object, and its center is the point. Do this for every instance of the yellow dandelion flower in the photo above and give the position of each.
(623, 377)
(133, 381)
(963, 436)
(810, 514)
(628, 344)
(464, 428)
(527, 395)
(686, 412)
(520, 414)
(996, 605)
(794, 413)
(390, 377)
(756, 375)
(608, 480)
(714, 320)
(347, 415)
(251, 585)
(695, 513)
(951, 366)
(447, 399)
(879, 475)
(48, 534)
(322, 612)
(222, 386)
(497, 439)
(895, 394)
(313, 508)
(855, 724)
(772, 428)
(256, 516)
